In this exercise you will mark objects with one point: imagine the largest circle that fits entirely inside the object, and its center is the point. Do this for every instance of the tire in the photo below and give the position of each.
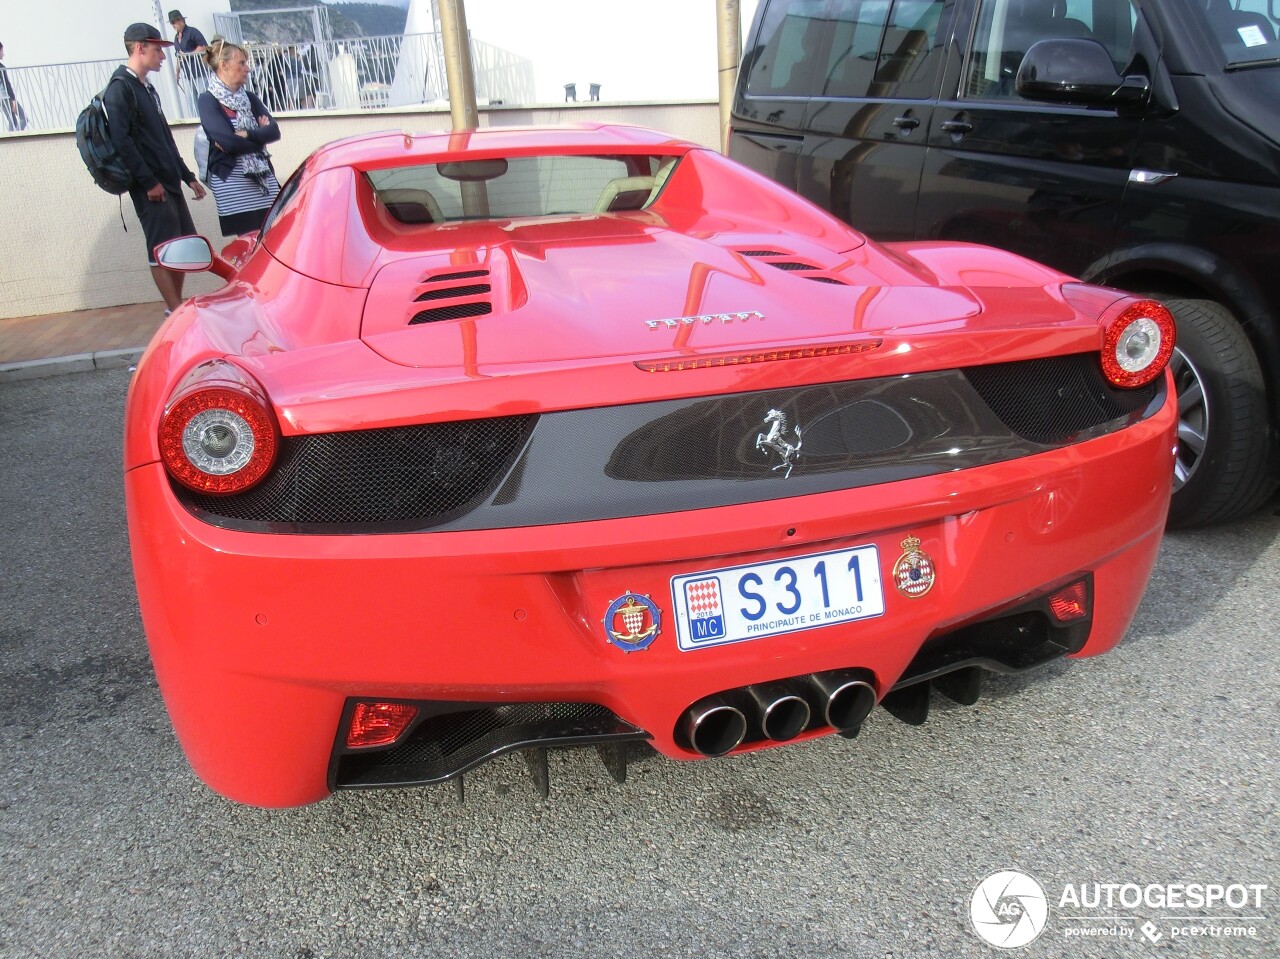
(1223, 466)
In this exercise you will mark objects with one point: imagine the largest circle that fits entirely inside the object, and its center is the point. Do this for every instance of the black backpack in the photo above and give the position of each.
(93, 137)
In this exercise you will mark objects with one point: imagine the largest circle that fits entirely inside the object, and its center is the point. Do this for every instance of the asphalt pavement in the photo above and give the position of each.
(1152, 767)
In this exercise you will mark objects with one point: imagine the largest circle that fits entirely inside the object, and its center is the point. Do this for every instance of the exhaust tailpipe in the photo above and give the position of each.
(847, 697)
(714, 726)
(783, 714)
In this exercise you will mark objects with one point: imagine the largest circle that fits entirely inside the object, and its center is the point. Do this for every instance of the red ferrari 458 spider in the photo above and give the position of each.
(524, 438)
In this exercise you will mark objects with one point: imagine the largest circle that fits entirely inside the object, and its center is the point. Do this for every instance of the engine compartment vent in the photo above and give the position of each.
(794, 264)
(456, 300)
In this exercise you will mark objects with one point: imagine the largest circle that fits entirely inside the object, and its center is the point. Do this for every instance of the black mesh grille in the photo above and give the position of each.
(793, 266)
(454, 312)
(826, 279)
(445, 745)
(760, 253)
(411, 475)
(1052, 400)
(474, 290)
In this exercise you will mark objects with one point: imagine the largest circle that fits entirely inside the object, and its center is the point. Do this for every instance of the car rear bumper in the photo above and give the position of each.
(260, 640)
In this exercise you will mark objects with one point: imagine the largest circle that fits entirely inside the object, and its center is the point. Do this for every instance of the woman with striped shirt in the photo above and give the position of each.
(238, 127)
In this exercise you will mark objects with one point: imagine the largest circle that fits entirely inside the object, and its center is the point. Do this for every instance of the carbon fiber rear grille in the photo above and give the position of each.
(1051, 400)
(674, 455)
(449, 743)
(417, 475)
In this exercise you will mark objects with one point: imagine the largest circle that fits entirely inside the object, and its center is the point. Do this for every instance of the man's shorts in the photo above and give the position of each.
(162, 221)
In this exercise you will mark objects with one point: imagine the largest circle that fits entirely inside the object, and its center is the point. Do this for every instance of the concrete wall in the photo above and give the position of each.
(62, 245)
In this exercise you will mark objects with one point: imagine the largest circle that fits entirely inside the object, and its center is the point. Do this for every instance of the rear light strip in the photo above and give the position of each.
(713, 360)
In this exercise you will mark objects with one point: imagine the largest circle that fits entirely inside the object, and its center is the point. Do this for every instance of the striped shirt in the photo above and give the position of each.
(239, 194)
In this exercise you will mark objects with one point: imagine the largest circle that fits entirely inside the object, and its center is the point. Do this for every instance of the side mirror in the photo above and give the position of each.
(186, 254)
(192, 254)
(1077, 71)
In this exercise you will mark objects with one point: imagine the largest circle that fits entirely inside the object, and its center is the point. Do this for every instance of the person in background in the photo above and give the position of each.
(146, 145)
(238, 127)
(14, 117)
(190, 41)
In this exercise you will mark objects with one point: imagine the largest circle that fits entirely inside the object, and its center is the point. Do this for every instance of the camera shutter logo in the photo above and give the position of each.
(1008, 909)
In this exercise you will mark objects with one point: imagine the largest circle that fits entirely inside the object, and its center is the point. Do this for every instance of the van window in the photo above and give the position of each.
(1006, 28)
(882, 48)
(1246, 29)
(787, 48)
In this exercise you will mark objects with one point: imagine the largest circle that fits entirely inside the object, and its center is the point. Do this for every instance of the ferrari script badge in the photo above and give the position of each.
(632, 621)
(913, 572)
(776, 440)
(703, 319)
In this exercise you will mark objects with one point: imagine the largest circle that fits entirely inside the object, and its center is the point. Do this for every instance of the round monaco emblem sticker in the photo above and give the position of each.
(913, 572)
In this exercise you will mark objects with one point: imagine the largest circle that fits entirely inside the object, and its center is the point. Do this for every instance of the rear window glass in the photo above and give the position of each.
(503, 188)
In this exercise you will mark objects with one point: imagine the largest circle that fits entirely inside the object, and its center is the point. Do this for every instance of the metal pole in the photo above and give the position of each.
(457, 65)
(728, 27)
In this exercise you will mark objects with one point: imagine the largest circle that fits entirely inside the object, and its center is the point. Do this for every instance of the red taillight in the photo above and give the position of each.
(1070, 603)
(378, 724)
(218, 434)
(1137, 344)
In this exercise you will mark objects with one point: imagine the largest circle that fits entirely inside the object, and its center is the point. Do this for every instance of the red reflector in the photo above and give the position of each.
(1070, 603)
(709, 361)
(378, 724)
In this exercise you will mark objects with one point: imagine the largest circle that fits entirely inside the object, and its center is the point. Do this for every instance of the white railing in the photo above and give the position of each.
(357, 74)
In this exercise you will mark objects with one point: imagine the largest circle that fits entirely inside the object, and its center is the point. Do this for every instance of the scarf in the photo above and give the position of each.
(256, 165)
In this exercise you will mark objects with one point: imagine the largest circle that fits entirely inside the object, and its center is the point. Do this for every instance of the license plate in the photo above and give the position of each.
(769, 599)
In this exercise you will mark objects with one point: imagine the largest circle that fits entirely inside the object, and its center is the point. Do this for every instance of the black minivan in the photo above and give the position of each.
(1133, 143)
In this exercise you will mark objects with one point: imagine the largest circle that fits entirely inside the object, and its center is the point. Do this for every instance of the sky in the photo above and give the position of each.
(661, 49)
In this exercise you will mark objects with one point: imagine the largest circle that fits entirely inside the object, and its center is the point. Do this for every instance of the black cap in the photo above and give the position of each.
(137, 32)
(175, 15)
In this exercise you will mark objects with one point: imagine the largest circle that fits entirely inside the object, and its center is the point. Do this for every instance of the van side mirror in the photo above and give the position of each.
(1076, 71)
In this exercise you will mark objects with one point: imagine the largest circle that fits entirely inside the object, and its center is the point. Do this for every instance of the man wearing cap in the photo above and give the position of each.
(190, 41)
(142, 138)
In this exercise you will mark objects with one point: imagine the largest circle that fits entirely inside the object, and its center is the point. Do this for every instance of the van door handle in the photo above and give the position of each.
(957, 126)
(906, 123)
